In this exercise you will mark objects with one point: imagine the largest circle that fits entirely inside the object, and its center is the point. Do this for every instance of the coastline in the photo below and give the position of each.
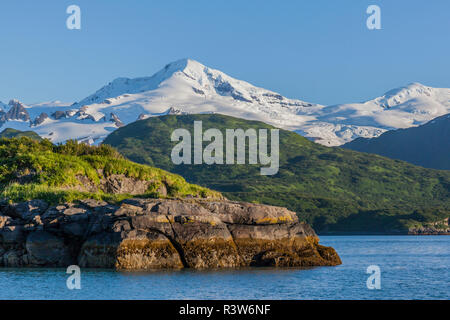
(344, 233)
(142, 234)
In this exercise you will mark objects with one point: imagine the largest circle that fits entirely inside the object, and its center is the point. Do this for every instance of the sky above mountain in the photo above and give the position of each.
(317, 51)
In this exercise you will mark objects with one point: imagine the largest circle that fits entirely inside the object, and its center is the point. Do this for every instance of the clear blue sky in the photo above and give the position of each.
(316, 50)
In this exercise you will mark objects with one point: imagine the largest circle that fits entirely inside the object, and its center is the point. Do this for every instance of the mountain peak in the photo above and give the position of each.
(415, 85)
(182, 64)
(188, 86)
(410, 88)
(17, 111)
(123, 85)
(15, 102)
(187, 66)
(400, 95)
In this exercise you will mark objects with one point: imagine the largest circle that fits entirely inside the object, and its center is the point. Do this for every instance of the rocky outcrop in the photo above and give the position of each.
(118, 184)
(57, 115)
(144, 234)
(81, 114)
(143, 116)
(116, 120)
(432, 228)
(40, 119)
(176, 111)
(17, 111)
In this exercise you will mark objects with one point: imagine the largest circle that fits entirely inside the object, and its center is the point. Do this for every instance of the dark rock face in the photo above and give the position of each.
(176, 111)
(42, 117)
(59, 115)
(17, 111)
(142, 116)
(143, 234)
(45, 248)
(27, 210)
(116, 120)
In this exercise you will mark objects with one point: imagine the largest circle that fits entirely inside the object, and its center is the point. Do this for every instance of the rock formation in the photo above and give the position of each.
(59, 115)
(17, 111)
(144, 234)
(40, 119)
(116, 120)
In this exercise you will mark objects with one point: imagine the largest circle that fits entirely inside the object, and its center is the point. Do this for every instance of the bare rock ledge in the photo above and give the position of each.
(144, 234)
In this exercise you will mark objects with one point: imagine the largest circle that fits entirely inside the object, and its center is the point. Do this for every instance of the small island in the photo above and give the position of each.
(76, 204)
(145, 234)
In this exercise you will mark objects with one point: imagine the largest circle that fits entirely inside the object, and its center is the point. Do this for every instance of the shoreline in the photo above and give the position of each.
(141, 234)
(343, 233)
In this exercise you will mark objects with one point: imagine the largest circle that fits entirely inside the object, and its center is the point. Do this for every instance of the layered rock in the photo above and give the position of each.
(144, 234)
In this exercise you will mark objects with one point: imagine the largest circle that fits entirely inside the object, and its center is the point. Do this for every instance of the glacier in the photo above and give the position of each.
(187, 86)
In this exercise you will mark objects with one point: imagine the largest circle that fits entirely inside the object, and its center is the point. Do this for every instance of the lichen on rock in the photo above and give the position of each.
(146, 234)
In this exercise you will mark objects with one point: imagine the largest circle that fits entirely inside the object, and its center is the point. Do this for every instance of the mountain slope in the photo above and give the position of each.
(12, 133)
(32, 169)
(55, 121)
(328, 187)
(186, 86)
(427, 145)
(404, 107)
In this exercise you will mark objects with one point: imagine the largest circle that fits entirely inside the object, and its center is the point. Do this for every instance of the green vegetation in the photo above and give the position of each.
(331, 188)
(13, 133)
(31, 169)
(431, 147)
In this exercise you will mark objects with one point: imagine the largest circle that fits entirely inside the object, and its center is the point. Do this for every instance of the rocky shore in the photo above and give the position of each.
(145, 234)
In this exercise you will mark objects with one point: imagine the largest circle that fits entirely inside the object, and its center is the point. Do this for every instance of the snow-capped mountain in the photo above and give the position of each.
(187, 86)
(190, 87)
(404, 107)
(45, 119)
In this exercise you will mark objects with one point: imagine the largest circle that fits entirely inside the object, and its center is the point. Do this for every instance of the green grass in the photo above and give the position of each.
(331, 188)
(13, 133)
(31, 169)
(16, 192)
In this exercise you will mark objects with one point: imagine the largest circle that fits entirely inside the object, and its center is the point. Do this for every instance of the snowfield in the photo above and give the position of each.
(186, 86)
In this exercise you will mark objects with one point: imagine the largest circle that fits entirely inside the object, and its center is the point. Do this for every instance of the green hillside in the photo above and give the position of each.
(332, 188)
(13, 133)
(32, 169)
(431, 147)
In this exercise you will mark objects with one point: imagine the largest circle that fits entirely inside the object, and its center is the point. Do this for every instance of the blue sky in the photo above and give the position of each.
(319, 51)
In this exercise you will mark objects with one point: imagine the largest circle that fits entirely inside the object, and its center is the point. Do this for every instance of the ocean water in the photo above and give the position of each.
(412, 267)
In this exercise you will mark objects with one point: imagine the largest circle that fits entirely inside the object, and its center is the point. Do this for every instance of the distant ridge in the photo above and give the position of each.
(334, 189)
(427, 145)
(188, 87)
(12, 133)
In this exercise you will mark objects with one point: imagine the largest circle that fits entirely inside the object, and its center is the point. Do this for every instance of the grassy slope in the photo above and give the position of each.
(13, 133)
(32, 169)
(332, 188)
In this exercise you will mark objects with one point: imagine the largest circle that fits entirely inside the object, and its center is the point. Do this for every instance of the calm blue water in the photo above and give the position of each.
(411, 268)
